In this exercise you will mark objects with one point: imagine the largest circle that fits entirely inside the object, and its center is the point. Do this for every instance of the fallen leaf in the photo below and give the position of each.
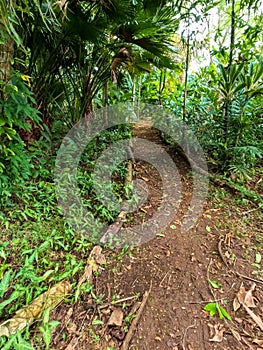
(116, 318)
(245, 297)
(258, 342)
(72, 328)
(219, 333)
(68, 315)
(171, 343)
(239, 320)
(95, 259)
(73, 343)
(111, 343)
(249, 299)
(258, 258)
(145, 179)
(236, 304)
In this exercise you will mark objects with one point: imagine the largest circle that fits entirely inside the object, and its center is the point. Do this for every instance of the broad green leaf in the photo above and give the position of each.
(4, 283)
(211, 308)
(13, 297)
(223, 313)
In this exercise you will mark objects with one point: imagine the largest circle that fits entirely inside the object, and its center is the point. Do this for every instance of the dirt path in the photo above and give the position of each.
(178, 268)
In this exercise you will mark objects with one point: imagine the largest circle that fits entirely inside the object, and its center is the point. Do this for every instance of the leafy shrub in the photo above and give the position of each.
(17, 114)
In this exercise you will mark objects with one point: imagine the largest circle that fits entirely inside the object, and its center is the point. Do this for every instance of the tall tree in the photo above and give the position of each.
(7, 41)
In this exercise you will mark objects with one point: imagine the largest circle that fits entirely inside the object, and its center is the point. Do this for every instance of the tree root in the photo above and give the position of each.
(128, 338)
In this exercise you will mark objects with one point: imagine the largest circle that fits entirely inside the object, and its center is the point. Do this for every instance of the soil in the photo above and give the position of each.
(176, 269)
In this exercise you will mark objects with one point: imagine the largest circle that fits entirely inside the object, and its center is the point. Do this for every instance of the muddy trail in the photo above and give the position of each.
(169, 280)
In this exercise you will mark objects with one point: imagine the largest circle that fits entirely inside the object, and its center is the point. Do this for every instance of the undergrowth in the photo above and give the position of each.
(38, 247)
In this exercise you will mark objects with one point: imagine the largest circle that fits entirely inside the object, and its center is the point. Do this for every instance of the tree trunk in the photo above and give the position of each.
(186, 72)
(230, 62)
(161, 85)
(7, 48)
(232, 35)
(6, 55)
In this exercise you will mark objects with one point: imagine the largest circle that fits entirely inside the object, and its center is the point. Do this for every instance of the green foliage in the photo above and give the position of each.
(17, 114)
(214, 308)
(69, 56)
(224, 109)
(215, 284)
(16, 341)
(47, 328)
(69, 50)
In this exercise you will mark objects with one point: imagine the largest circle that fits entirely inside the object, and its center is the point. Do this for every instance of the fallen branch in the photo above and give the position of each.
(95, 259)
(125, 344)
(34, 311)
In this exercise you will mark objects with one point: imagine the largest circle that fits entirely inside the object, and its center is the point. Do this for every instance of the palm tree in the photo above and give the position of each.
(88, 42)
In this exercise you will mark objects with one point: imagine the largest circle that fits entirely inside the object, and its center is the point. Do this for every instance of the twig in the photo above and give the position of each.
(232, 271)
(250, 211)
(124, 299)
(160, 285)
(125, 344)
(104, 306)
(185, 333)
(208, 278)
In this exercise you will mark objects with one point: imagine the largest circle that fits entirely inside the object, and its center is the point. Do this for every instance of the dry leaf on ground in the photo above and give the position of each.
(245, 297)
(116, 318)
(219, 333)
(258, 342)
